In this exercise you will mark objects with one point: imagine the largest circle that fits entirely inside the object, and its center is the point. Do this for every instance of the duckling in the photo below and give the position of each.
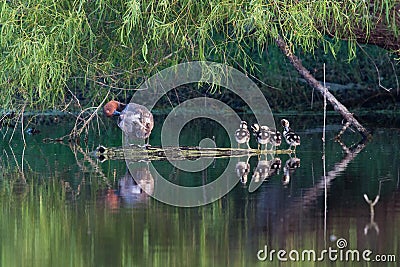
(275, 138)
(133, 118)
(291, 137)
(262, 133)
(242, 135)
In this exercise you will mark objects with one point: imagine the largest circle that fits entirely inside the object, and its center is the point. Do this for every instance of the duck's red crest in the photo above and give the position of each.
(110, 107)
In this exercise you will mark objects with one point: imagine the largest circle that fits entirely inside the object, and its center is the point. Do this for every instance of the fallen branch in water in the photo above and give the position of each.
(310, 196)
(137, 153)
(319, 87)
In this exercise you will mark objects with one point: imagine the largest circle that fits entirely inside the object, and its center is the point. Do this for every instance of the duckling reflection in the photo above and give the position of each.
(266, 168)
(261, 171)
(290, 166)
(276, 165)
(242, 169)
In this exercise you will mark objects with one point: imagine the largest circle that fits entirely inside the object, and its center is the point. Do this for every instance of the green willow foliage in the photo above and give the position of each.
(54, 49)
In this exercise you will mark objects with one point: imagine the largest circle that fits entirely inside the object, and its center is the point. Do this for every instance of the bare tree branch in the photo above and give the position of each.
(319, 87)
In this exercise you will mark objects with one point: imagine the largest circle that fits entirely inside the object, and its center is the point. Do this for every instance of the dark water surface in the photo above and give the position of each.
(62, 207)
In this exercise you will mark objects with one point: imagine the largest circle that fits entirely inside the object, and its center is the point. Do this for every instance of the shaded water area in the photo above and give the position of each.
(60, 206)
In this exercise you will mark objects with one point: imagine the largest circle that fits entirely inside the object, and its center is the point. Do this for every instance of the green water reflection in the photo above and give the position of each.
(60, 208)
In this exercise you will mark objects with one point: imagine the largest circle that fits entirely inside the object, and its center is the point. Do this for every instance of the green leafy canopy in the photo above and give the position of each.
(52, 50)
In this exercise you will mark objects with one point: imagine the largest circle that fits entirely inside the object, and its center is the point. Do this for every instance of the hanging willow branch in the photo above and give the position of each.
(46, 45)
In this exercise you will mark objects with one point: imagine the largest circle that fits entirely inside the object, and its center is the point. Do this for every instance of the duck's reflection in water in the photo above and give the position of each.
(242, 169)
(276, 164)
(261, 171)
(290, 166)
(266, 169)
(134, 187)
(137, 186)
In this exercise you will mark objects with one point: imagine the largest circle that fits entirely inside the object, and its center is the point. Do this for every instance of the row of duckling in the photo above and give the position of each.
(264, 135)
(266, 169)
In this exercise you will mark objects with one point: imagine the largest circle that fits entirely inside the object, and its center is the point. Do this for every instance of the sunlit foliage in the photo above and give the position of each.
(53, 51)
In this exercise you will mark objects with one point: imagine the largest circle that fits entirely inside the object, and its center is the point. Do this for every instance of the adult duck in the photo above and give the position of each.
(133, 119)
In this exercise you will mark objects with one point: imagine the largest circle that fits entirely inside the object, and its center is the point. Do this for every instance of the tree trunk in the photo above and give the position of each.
(319, 87)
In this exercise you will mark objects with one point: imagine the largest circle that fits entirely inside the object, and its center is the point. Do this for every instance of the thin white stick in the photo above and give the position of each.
(323, 132)
(324, 163)
(22, 125)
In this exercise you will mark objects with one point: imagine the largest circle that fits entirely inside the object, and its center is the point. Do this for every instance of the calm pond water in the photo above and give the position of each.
(60, 206)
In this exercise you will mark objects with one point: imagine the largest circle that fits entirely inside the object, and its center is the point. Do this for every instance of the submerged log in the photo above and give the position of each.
(138, 153)
(347, 115)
